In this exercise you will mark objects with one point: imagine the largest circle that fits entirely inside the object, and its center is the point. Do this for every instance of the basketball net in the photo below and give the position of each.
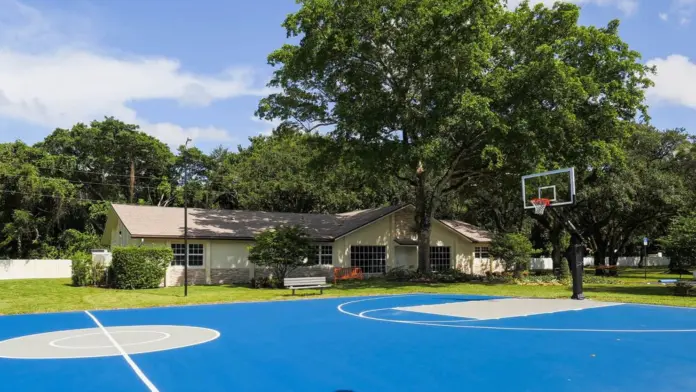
(540, 205)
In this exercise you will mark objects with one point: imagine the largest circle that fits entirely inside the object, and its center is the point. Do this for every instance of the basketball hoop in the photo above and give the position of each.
(540, 205)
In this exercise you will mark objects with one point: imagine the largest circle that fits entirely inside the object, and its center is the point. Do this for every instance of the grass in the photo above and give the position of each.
(56, 295)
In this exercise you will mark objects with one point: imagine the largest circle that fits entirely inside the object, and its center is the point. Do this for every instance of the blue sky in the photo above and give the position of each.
(185, 68)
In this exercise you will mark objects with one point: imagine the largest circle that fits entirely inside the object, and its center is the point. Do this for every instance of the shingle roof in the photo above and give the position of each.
(473, 233)
(168, 222)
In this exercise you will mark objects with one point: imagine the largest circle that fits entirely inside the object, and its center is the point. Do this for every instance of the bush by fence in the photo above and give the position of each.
(85, 272)
(139, 268)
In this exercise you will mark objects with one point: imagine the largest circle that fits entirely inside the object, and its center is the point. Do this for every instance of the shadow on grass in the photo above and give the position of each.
(632, 290)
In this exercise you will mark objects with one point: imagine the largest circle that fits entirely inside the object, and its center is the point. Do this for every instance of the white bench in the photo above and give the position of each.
(306, 283)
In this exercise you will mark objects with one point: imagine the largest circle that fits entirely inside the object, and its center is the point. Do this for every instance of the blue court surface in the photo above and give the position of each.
(419, 342)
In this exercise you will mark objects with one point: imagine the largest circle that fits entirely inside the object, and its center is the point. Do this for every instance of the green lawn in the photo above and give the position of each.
(53, 295)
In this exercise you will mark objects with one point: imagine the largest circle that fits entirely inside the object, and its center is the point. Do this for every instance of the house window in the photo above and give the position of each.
(195, 254)
(481, 252)
(323, 254)
(439, 258)
(371, 259)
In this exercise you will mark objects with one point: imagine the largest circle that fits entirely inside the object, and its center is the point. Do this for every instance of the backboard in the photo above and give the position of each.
(558, 186)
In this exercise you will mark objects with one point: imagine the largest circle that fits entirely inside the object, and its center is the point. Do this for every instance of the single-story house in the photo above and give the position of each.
(375, 240)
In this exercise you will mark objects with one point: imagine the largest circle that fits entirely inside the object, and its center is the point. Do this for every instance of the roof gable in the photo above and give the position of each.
(469, 231)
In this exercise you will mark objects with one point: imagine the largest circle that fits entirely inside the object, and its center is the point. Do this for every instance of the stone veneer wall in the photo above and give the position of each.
(175, 276)
(229, 275)
(313, 271)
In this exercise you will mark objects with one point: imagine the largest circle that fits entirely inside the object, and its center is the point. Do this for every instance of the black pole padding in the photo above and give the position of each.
(578, 272)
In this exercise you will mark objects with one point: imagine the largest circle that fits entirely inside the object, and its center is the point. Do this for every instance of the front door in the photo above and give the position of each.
(401, 256)
(405, 256)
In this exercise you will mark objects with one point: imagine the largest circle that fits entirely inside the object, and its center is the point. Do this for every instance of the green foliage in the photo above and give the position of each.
(680, 243)
(632, 198)
(684, 289)
(406, 274)
(441, 99)
(85, 272)
(73, 241)
(564, 271)
(139, 268)
(514, 250)
(593, 279)
(298, 172)
(282, 249)
(82, 269)
(540, 280)
(265, 282)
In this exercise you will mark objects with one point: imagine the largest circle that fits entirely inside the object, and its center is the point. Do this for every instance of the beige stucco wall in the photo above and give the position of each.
(375, 233)
(400, 226)
(229, 254)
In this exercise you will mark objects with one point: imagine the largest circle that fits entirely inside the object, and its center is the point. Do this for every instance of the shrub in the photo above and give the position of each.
(453, 275)
(540, 280)
(409, 274)
(564, 272)
(264, 282)
(684, 289)
(514, 250)
(497, 277)
(283, 249)
(600, 279)
(401, 274)
(139, 268)
(82, 274)
(680, 244)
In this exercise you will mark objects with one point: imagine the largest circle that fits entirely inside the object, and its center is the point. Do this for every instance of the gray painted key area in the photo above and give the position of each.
(92, 342)
(505, 308)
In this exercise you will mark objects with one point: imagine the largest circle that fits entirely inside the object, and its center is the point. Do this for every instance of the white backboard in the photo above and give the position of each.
(556, 185)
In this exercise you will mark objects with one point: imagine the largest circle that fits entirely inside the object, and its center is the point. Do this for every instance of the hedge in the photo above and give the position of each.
(139, 268)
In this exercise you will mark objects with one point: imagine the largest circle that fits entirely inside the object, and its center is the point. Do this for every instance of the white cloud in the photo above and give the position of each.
(67, 81)
(663, 16)
(269, 125)
(627, 6)
(683, 10)
(675, 82)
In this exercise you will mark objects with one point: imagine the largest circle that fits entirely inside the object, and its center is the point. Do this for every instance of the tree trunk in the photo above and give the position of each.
(556, 251)
(132, 179)
(424, 247)
(613, 261)
(599, 256)
(425, 209)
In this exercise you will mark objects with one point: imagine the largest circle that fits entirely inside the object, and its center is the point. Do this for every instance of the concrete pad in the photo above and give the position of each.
(505, 308)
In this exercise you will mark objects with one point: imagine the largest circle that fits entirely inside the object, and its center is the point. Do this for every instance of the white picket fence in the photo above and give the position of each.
(35, 269)
(545, 263)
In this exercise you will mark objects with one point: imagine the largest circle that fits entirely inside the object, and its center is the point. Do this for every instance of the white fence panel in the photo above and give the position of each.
(545, 263)
(541, 263)
(35, 269)
(652, 261)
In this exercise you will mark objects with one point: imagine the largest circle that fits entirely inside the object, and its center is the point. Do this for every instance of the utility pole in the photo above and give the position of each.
(186, 247)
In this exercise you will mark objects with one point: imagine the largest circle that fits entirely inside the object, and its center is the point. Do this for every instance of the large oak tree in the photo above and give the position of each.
(441, 93)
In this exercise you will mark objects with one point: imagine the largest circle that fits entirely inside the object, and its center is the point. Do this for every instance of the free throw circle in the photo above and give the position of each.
(93, 343)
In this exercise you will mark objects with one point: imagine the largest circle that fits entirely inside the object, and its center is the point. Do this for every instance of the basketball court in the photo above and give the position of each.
(419, 342)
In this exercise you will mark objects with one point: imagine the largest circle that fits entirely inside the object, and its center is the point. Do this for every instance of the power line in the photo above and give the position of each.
(105, 184)
(54, 168)
(73, 197)
(70, 181)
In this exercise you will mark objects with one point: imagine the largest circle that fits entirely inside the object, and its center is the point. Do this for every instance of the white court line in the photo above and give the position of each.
(419, 321)
(53, 343)
(125, 355)
(363, 316)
